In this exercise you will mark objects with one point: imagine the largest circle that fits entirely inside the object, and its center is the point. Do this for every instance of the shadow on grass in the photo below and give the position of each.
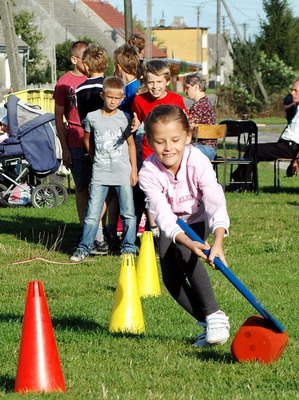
(11, 318)
(77, 324)
(7, 383)
(52, 234)
(287, 190)
(211, 354)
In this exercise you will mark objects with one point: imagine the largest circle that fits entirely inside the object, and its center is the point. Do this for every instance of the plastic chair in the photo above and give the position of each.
(205, 131)
(246, 133)
(277, 171)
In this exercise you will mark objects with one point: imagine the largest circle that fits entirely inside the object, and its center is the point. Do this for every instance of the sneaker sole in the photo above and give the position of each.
(99, 253)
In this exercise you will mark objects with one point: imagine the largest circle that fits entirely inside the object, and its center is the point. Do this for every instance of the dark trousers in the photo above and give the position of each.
(186, 278)
(265, 152)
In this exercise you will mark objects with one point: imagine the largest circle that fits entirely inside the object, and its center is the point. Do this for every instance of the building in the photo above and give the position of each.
(184, 44)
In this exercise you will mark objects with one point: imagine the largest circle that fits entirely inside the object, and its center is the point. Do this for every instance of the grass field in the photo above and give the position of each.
(262, 250)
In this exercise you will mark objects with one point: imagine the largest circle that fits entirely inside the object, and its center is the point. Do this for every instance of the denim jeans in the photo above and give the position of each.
(97, 197)
(208, 151)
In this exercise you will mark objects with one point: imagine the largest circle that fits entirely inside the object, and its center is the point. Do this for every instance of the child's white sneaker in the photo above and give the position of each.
(201, 340)
(217, 328)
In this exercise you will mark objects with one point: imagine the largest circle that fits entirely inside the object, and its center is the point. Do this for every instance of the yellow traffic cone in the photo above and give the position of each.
(127, 313)
(147, 269)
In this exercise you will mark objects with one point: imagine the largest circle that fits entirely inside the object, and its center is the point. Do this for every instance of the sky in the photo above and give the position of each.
(246, 12)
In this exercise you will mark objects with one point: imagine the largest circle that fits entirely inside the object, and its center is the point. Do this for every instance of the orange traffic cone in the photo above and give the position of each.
(39, 368)
(127, 313)
(147, 269)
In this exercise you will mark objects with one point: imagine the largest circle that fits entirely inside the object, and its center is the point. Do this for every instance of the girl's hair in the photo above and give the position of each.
(128, 58)
(137, 41)
(196, 79)
(95, 57)
(158, 68)
(113, 83)
(164, 114)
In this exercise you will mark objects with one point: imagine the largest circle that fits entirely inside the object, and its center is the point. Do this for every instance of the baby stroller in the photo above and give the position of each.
(29, 151)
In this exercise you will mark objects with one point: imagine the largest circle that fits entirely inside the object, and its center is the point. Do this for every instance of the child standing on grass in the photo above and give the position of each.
(179, 181)
(71, 134)
(111, 146)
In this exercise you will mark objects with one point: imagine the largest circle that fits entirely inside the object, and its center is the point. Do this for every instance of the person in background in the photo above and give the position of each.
(179, 181)
(71, 133)
(111, 146)
(290, 107)
(138, 41)
(201, 111)
(157, 79)
(126, 64)
(95, 61)
(287, 146)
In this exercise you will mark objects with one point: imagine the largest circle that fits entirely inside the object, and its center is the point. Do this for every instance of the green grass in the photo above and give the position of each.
(262, 250)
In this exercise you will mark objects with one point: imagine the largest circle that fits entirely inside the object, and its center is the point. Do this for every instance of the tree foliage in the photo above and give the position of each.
(38, 70)
(246, 58)
(279, 32)
(275, 74)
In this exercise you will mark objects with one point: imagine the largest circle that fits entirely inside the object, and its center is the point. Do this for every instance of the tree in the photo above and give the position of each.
(246, 58)
(37, 69)
(279, 32)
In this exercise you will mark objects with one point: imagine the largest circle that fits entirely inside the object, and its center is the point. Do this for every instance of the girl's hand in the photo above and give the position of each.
(198, 248)
(216, 251)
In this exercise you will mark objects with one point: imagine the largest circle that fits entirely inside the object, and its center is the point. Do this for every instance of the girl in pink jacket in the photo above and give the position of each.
(179, 181)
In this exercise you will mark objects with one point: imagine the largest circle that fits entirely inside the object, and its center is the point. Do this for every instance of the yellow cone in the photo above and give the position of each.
(127, 313)
(147, 269)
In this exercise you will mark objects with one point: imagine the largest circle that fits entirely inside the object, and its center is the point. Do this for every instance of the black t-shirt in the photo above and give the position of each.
(88, 96)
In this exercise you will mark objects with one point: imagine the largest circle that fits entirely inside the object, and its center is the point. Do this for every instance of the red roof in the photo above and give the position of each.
(116, 21)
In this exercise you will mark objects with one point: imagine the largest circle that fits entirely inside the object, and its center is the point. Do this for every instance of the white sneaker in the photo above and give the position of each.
(217, 328)
(201, 340)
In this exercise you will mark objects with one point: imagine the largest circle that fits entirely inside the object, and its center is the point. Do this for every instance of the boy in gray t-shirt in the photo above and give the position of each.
(110, 143)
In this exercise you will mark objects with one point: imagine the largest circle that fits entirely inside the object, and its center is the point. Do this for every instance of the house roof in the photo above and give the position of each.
(116, 21)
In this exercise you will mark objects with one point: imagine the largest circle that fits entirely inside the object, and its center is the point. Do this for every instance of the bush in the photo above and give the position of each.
(234, 101)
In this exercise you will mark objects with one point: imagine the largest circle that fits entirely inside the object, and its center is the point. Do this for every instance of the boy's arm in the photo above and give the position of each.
(133, 160)
(60, 127)
(88, 144)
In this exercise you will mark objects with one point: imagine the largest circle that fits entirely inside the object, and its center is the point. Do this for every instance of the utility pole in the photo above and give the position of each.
(197, 38)
(11, 45)
(244, 31)
(148, 45)
(53, 52)
(218, 57)
(128, 18)
(259, 81)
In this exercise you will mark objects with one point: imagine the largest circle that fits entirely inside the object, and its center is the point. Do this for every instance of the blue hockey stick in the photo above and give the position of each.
(232, 278)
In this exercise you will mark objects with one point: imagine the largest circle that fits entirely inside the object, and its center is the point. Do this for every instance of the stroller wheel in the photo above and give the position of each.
(44, 196)
(3, 197)
(62, 192)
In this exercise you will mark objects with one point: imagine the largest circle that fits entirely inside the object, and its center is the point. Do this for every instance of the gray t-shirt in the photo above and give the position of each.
(111, 165)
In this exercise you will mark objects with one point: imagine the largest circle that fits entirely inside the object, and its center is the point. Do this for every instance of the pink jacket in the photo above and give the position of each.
(193, 195)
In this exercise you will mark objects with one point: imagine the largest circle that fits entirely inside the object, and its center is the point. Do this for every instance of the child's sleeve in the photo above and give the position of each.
(156, 198)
